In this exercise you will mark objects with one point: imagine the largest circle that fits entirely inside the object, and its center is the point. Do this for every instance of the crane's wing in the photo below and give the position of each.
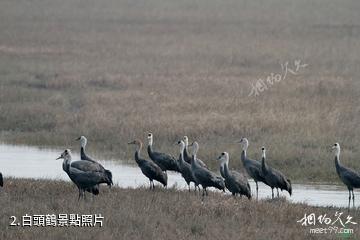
(88, 178)
(255, 172)
(239, 177)
(168, 161)
(87, 166)
(351, 176)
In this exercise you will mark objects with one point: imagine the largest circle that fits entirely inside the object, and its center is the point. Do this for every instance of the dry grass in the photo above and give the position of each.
(113, 70)
(162, 214)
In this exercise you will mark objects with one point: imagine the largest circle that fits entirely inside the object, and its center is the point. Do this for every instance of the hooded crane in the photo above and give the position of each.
(234, 181)
(203, 176)
(95, 165)
(347, 175)
(94, 190)
(184, 167)
(1, 180)
(80, 174)
(163, 160)
(151, 170)
(187, 156)
(273, 177)
(253, 167)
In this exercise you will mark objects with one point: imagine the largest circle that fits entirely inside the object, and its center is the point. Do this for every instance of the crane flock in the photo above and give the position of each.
(87, 174)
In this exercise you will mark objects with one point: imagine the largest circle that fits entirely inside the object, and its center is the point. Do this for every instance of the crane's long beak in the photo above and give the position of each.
(77, 139)
(61, 156)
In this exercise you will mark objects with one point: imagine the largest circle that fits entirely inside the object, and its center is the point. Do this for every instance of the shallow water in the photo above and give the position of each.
(32, 162)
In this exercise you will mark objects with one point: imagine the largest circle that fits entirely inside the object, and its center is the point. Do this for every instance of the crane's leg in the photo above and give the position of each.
(198, 187)
(153, 185)
(272, 193)
(257, 190)
(353, 198)
(79, 194)
(150, 184)
(349, 199)
(189, 186)
(277, 192)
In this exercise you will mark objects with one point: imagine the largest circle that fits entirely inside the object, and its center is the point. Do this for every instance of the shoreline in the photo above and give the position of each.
(109, 156)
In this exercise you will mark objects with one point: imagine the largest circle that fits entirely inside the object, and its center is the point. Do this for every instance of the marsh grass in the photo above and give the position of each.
(115, 70)
(160, 214)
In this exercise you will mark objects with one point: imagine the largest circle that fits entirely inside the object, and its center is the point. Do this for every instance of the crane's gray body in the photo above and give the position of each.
(165, 161)
(347, 175)
(275, 179)
(83, 175)
(151, 170)
(185, 170)
(235, 182)
(205, 177)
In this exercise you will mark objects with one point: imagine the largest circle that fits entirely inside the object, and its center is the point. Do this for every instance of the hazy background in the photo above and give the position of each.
(113, 70)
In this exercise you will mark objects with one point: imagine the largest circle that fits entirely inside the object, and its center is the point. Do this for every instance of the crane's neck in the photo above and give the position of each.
(226, 166)
(186, 141)
(264, 166)
(243, 155)
(137, 152)
(149, 148)
(181, 158)
(82, 153)
(66, 163)
(337, 160)
(245, 147)
(83, 141)
(246, 144)
(337, 152)
(195, 149)
(186, 153)
(222, 170)
(182, 149)
(150, 141)
(194, 161)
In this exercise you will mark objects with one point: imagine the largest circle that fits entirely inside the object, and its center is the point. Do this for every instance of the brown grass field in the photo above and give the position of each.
(114, 70)
(160, 214)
